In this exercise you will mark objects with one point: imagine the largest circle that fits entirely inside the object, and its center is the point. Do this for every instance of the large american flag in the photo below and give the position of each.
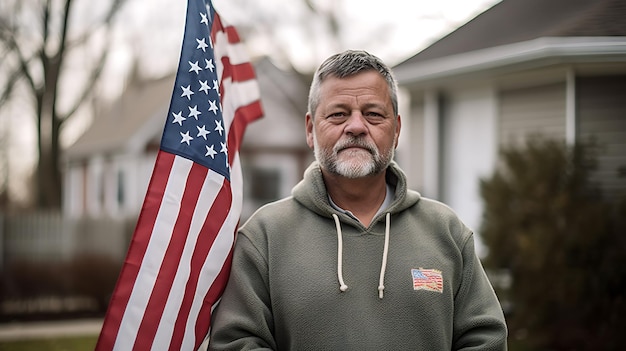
(179, 258)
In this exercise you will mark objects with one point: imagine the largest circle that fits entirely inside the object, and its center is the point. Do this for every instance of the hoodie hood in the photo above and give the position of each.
(311, 191)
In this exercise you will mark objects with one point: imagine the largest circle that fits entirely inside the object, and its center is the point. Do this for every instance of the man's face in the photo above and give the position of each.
(354, 132)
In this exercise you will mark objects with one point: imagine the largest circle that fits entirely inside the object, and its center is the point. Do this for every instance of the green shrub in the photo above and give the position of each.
(561, 243)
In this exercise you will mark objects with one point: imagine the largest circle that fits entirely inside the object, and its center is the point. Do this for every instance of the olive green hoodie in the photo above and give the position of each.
(412, 280)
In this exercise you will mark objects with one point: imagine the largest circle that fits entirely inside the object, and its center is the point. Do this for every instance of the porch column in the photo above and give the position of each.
(431, 150)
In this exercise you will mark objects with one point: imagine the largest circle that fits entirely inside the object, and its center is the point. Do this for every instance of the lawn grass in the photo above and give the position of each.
(78, 343)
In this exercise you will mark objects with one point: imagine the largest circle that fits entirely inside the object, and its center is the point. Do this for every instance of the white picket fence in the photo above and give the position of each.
(50, 237)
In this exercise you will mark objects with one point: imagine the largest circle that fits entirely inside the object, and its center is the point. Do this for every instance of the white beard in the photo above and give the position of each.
(352, 163)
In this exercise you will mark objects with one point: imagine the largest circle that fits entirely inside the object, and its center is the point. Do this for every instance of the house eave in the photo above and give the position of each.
(537, 52)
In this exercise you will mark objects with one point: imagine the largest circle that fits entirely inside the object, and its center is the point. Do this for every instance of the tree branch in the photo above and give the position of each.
(88, 34)
(89, 87)
(98, 68)
(13, 47)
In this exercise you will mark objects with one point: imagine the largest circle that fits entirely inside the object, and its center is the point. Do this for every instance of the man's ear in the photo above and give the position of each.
(398, 127)
(308, 122)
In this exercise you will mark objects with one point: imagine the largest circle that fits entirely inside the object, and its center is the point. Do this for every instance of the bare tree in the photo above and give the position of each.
(36, 38)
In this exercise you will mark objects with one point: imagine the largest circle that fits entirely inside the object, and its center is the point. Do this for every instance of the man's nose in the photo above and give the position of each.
(356, 124)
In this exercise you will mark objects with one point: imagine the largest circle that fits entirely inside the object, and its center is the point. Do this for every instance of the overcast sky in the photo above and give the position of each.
(392, 29)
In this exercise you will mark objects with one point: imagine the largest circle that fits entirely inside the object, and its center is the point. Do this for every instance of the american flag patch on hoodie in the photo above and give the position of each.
(427, 279)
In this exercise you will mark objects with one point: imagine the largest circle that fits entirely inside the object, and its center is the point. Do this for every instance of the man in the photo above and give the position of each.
(353, 260)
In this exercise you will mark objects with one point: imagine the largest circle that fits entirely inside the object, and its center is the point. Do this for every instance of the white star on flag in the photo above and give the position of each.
(213, 106)
(186, 138)
(193, 112)
(178, 118)
(210, 151)
(204, 86)
(187, 92)
(218, 127)
(194, 67)
(202, 132)
(209, 65)
(202, 44)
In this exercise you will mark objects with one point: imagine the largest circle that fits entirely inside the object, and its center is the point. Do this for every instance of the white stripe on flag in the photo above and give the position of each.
(247, 92)
(219, 252)
(164, 225)
(210, 188)
(236, 52)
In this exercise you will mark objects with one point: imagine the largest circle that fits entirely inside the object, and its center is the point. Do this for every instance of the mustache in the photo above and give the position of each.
(355, 142)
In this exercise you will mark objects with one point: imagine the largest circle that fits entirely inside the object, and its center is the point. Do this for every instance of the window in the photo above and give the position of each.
(121, 194)
(264, 184)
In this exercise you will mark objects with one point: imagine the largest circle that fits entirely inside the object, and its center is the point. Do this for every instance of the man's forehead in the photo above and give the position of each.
(355, 85)
(346, 94)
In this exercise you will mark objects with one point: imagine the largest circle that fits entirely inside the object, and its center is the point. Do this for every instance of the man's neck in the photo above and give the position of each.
(362, 197)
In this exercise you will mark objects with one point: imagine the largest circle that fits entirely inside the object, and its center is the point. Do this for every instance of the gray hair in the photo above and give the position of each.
(346, 64)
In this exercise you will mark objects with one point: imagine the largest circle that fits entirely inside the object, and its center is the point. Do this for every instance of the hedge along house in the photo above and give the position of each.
(107, 170)
(552, 67)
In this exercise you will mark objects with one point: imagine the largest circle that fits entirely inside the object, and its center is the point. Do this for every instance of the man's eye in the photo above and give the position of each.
(374, 116)
(337, 114)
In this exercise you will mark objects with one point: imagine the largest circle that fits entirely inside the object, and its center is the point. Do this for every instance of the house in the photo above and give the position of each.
(107, 170)
(554, 67)
(274, 153)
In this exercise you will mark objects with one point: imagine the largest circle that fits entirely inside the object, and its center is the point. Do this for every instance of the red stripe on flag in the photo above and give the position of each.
(239, 73)
(247, 114)
(230, 31)
(171, 260)
(233, 36)
(210, 230)
(243, 116)
(216, 27)
(136, 251)
(203, 322)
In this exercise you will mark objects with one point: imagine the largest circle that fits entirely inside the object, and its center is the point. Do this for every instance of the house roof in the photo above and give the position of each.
(513, 21)
(129, 121)
(136, 119)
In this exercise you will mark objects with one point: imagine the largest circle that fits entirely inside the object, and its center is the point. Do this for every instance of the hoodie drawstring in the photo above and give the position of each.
(383, 268)
(342, 285)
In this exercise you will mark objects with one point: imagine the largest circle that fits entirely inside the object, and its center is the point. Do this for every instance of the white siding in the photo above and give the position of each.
(532, 110)
(602, 115)
(468, 150)
(431, 151)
